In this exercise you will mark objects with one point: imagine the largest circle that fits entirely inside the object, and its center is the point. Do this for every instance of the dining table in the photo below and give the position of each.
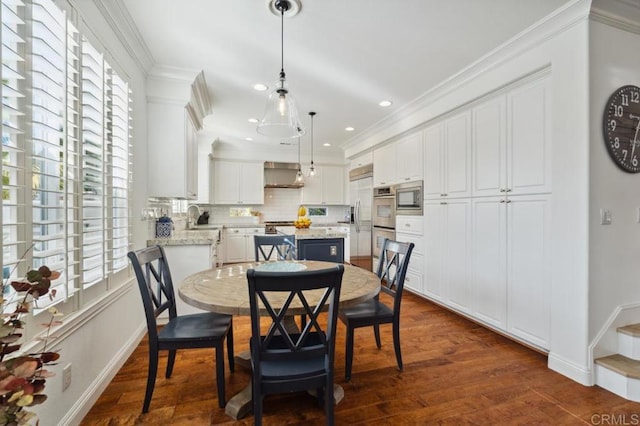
(225, 290)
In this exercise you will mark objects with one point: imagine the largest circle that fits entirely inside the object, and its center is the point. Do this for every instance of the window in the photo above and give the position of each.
(66, 153)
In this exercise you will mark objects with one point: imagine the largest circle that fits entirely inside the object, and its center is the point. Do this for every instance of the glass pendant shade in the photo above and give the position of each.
(281, 119)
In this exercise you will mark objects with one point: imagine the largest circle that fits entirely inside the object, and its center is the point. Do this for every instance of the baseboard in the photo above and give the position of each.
(89, 397)
(567, 368)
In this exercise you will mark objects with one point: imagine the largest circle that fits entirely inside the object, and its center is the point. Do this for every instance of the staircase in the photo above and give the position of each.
(620, 373)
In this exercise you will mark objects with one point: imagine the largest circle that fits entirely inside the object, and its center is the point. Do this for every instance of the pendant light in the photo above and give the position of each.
(281, 118)
(312, 170)
(299, 175)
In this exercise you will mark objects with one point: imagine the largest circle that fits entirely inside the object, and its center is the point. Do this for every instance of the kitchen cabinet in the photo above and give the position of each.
(173, 147)
(361, 160)
(324, 249)
(237, 182)
(511, 137)
(239, 245)
(447, 252)
(327, 187)
(347, 240)
(400, 161)
(447, 159)
(409, 229)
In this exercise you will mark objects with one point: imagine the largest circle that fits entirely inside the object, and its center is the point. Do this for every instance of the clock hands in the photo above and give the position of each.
(635, 141)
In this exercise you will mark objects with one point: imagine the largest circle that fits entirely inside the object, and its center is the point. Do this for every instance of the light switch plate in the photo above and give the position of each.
(605, 217)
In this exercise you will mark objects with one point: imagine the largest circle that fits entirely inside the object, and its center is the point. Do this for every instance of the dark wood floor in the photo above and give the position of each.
(456, 373)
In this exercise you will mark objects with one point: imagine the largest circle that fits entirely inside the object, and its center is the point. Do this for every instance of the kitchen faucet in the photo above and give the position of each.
(191, 221)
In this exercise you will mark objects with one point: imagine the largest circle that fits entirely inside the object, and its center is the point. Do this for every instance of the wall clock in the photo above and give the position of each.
(621, 124)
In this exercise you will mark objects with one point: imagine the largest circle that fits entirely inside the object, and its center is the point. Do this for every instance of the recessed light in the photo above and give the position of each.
(384, 103)
(248, 139)
(260, 87)
(252, 120)
(326, 144)
(349, 129)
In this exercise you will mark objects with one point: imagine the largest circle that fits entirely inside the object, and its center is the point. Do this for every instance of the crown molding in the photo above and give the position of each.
(418, 111)
(117, 16)
(621, 14)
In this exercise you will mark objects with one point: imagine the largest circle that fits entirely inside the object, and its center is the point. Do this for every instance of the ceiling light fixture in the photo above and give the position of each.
(281, 115)
(253, 120)
(260, 87)
(299, 175)
(385, 103)
(349, 129)
(312, 169)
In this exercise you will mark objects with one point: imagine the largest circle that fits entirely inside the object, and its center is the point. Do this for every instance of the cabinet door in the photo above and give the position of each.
(333, 182)
(361, 160)
(235, 245)
(457, 158)
(529, 292)
(433, 173)
(434, 245)
(409, 158)
(384, 165)
(457, 253)
(528, 155)
(489, 148)
(313, 186)
(251, 179)
(226, 182)
(489, 269)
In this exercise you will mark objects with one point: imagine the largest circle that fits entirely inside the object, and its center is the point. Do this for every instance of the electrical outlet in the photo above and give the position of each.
(66, 377)
(605, 217)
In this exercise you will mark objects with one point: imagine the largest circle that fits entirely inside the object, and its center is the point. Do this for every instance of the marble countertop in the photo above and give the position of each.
(311, 233)
(184, 238)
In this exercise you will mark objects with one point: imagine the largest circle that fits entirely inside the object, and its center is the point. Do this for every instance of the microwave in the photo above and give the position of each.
(409, 198)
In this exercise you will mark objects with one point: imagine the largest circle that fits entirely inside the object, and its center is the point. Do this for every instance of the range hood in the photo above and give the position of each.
(281, 175)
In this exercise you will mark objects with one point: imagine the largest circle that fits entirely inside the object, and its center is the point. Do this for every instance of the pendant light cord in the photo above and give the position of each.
(282, 40)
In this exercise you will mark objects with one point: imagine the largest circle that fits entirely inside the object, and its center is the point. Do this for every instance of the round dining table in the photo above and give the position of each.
(225, 290)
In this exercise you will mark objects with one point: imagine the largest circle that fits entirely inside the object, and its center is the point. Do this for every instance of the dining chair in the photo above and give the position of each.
(283, 246)
(285, 360)
(392, 268)
(202, 330)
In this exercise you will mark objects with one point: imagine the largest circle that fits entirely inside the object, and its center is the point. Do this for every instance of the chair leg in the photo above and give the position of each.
(220, 374)
(230, 356)
(376, 331)
(396, 344)
(329, 403)
(151, 379)
(257, 404)
(170, 362)
(349, 354)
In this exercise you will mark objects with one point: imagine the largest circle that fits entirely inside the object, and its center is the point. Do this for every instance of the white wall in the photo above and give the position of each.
(614, 249)
(558, 44)
(97, 343)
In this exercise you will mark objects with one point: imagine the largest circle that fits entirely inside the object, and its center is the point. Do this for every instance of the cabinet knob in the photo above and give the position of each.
(508, 189)
(444, 202)
(503, 190)
(407, 178)
(407, 225)
(501, 201)
(508, 201)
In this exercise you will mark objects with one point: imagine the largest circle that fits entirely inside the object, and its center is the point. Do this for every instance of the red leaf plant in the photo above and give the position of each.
(22, 378)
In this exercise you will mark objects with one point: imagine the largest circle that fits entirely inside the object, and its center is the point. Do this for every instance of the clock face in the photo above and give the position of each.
(621, 124)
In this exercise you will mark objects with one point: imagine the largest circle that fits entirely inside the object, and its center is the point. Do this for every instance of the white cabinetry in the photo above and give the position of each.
(511, 142)
(238, 182)
(401, 161)
(239, 245)
(326, 187)
(185, 260)
(447, 158)
(361, 160)
(173, 146)
(409, 229)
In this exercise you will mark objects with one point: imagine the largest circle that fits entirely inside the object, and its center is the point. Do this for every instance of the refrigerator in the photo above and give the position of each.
(361, 200)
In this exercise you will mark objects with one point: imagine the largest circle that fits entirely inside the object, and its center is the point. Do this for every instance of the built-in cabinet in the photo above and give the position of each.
(400, 161)
(239, 244)
(237, 182)
(326, 187)
(361, 160)
(487, 189)
(173, 146)
(410, 229)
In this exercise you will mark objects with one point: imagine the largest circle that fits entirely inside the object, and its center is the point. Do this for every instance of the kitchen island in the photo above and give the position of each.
(320, 244)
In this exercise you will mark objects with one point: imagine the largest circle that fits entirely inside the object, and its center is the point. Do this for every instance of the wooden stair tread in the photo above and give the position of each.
(621, 364)
(631, 330)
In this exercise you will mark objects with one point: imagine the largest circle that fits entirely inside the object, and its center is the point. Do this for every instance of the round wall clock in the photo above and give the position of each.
(621, 124)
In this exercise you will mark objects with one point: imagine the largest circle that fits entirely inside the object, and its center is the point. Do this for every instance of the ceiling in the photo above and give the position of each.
(341, 57)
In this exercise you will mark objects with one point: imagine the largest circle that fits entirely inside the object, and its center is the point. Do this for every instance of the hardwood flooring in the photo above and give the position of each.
(455, 373)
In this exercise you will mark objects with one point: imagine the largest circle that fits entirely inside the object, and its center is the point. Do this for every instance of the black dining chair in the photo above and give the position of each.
(202, 330)
(392, 268)
(285, 360)
(283, 246)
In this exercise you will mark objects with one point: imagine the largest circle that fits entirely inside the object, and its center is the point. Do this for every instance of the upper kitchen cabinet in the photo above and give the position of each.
(238, 182)
(447, 158)
(511, 142)
(326, 187)
(399, 162)
(361, 160)
(175, 108)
